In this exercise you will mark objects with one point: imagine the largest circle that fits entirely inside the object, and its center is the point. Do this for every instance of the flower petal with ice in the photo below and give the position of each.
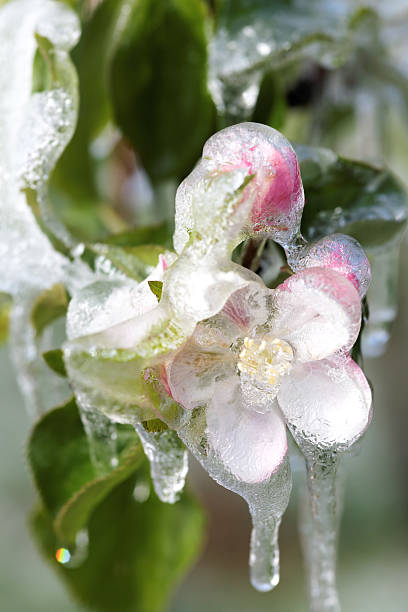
(268, 348)
(326, 403)
(318, 312)
(251, 444)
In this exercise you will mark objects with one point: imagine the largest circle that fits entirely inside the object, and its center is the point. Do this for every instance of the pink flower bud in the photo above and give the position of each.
(276, 188)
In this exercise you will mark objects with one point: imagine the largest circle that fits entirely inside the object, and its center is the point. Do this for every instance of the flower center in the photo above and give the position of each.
(265, 360)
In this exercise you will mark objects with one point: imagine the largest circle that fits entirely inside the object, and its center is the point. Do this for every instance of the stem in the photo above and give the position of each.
(319, 530)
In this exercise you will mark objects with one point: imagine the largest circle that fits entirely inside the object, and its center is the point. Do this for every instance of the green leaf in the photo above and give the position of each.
(159, 84)
(5, 307)
(50, 305)
(136, 262)
(351, 197)
(66, 479)
(156, 287)
(140, 549)
(54, 360)
(158, 234)
(138, 552)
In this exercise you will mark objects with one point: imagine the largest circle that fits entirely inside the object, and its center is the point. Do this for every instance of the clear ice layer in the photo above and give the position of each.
(249, 43)
(168, 462)
(267, 500)
(256, 158)
(319, 526)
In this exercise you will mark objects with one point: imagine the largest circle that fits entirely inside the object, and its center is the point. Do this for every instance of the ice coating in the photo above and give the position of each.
(286, 344)
(275, 192)
(338, 252)
(168, 462)
(102, 436)
(267, 500)
(34, 129)
(319, 525)
(251, 41)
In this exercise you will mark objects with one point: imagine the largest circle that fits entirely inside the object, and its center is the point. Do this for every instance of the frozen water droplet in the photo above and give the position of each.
(168, 462)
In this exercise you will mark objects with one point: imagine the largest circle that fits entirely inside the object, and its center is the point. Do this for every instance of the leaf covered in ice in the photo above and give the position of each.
(363, 201)
(254, 37)
(37, 118)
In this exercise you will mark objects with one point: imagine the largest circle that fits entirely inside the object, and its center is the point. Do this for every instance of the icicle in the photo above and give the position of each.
(267, 500)
(168, 462)
(320, 518)
(266, 519)
(101, 434)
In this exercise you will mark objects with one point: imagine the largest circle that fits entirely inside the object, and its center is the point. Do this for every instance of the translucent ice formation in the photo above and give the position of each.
(271, 357)
(262, 161)
(319, 523)
(382, 297)
(168, 462)
(35, 126)
(338, 252)
(255, 37)
(374, 209)
(117, 312)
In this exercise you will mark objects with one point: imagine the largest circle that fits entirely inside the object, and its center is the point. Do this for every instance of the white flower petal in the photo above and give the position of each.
(318, 311)
(194, 371)
(326, 403)
(248, 306)
(250, 444)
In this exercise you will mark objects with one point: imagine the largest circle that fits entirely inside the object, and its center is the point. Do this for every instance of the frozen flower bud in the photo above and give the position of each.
(338, 252)
(272, 202)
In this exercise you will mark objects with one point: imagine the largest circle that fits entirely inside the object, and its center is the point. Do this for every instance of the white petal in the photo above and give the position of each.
(318, 311)
(251, 445)
(326, 403)
(248, 306)
(194, 371)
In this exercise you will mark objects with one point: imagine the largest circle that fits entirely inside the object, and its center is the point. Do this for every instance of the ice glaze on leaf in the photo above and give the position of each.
(357, 199)
(136, 262)
(34, 129)
(256, 36)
